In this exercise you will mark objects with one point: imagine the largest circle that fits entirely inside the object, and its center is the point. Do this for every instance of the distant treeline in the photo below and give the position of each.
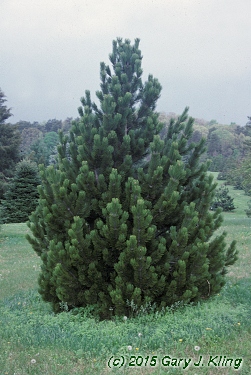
(228, 148)
(227, 145)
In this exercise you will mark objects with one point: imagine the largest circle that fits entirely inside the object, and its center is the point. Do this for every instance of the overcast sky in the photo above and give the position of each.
(199, 50)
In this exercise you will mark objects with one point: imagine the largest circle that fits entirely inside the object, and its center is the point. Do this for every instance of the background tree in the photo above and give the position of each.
(41, 150)
(53, 125)
(66, 124)
(22, 195)
(123, 217)
(4, 111)
(29, 136)
(236, 171)
(248, 210)
(223, 200)
(9, 146)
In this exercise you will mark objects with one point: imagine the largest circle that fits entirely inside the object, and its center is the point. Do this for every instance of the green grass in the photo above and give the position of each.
(78, 344)
(238, 227)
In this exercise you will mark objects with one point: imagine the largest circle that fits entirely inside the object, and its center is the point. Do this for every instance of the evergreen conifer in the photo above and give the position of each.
(10, 140)
(223, 200)
(21, 197)
(123, 217)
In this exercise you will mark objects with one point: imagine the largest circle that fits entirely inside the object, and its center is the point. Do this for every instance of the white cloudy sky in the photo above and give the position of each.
(200, 50)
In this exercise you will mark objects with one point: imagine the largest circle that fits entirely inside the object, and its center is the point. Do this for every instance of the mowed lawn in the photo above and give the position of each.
(19, 264)
(33, 340)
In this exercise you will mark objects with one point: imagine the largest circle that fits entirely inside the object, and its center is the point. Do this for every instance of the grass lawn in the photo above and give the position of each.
(215, 334)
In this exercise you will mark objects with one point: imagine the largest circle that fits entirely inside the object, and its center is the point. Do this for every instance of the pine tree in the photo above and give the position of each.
(223, 200)
(22, 196)
(10, 140)
(123, 217)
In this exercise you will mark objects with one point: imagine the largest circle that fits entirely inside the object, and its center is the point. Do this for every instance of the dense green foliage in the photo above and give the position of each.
(22, 195)
(43, 148)
(39, 140)
(123, 218)
(242, 177)
(226, 145)
(9, 146)
(76, 342)
(232, 159)
(222, 199)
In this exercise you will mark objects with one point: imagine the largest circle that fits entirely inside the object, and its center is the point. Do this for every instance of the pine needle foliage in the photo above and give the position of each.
(123, 217)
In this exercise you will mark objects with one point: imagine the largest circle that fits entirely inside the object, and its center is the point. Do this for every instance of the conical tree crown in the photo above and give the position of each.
(223, 199)
(22, 196)
(123, 217)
